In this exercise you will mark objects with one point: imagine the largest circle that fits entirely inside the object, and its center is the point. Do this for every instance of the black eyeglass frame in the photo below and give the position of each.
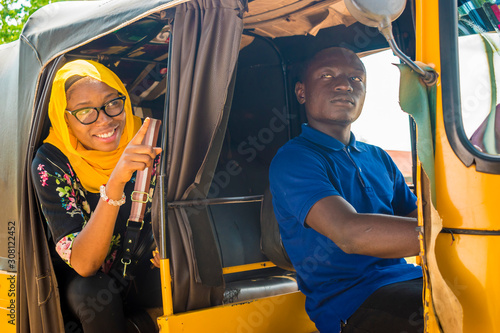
(102, 108)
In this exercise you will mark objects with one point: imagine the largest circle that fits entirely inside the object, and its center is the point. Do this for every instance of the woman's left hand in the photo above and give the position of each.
(156, 258)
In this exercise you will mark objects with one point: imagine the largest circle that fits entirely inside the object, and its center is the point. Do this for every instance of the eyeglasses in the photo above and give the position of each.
(112, 108)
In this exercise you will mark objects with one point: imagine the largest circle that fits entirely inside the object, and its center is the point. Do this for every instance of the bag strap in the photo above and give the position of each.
(140, 197)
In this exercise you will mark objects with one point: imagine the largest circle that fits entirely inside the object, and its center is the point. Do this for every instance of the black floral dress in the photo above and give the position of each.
(67, 206)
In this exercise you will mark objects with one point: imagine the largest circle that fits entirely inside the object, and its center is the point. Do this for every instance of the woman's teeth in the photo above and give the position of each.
(105, 135)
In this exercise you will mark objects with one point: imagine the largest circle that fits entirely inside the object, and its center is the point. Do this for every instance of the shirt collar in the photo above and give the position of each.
(328, 141)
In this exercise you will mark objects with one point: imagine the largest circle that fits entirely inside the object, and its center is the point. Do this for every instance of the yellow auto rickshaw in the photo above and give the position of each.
(220, 75)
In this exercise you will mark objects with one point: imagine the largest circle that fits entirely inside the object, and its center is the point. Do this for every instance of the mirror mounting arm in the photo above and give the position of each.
(381, 14)
(429, 77)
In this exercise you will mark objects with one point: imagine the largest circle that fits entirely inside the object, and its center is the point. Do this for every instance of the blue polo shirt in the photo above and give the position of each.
(313, 166)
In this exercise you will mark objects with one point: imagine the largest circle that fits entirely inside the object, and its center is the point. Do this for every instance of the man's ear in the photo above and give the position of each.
(300, 92)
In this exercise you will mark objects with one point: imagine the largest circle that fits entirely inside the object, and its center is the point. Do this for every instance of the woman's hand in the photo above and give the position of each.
(156, 258)
(92, 244)
(136, 156)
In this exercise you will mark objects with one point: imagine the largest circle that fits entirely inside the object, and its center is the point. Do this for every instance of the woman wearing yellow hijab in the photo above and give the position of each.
(85, 170)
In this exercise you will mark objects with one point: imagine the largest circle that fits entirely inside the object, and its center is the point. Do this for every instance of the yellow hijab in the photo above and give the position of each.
(92, 167)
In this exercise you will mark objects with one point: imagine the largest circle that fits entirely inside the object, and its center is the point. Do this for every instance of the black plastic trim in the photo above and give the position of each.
(476, 232)
(450, 85)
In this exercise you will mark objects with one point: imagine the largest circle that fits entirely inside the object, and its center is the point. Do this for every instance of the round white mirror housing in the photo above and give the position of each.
(376, 13)
(380, 14)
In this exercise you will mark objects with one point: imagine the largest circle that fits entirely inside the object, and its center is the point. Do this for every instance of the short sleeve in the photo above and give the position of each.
(298, 179)
(64, 247)
(61, 197)
(404, 200)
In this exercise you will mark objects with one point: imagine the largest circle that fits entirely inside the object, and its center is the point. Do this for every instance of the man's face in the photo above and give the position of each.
(333, 89)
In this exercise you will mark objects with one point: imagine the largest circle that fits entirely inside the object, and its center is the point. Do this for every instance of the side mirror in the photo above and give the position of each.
(376, 13)
(380, 14)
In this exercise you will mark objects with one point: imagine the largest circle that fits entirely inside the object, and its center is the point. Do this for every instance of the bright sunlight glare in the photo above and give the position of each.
(382, 122)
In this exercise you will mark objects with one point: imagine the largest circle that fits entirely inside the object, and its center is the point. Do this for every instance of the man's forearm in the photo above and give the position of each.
(382, 236)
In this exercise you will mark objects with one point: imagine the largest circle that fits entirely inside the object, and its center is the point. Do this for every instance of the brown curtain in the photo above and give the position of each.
(205, 45)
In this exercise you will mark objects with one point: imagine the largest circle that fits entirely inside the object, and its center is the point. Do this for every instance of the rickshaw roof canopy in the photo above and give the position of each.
(65, 25)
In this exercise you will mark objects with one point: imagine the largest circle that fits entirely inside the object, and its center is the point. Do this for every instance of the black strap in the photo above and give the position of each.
(129, 244)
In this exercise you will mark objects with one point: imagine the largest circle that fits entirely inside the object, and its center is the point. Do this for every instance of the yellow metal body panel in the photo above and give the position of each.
(276, 314)
(427, 51)
(470, 267)
(8, 305)
(247, 267)
(464, 199)
(166, 287)
(282, 313)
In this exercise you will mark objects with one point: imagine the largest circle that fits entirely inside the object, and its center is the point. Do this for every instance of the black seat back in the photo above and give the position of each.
(270, 242)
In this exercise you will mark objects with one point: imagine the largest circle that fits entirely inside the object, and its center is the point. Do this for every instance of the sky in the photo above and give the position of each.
(382, 121)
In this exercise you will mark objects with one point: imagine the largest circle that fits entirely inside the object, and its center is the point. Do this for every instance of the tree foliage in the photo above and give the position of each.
(14, 14)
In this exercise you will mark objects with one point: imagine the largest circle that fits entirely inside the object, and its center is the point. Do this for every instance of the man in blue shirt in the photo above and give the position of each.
(345, 214)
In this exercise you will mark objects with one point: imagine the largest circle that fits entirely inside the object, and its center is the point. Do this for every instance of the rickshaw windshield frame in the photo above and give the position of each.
(450, 85)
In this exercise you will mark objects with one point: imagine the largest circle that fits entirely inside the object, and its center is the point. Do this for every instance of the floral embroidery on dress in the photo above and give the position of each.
(69, 191)
(43, 174)
(64, 183)
(64, 246)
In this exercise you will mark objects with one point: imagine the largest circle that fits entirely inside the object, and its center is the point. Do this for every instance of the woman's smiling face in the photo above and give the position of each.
(105, 133)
